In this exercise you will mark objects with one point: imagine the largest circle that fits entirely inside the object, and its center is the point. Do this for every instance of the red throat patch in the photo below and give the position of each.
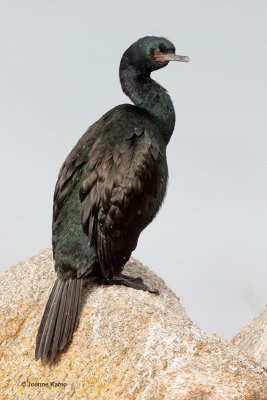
(158, 57)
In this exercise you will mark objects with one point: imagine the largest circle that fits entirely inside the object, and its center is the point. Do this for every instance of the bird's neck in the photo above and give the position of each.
(150, 96)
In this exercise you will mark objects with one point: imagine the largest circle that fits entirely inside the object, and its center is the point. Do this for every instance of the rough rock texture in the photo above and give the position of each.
(129, 345)
(252, 339)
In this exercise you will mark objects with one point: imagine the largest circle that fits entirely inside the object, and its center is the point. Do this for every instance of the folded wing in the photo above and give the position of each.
(117, 194)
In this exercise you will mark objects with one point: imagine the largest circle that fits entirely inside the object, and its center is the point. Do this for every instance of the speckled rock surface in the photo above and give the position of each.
(129, 345)
(252, 339)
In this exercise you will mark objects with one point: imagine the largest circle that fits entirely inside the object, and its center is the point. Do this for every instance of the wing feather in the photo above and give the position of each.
(120, 182)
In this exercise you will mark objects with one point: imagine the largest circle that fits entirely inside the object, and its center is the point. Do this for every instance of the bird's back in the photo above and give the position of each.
(109, 188)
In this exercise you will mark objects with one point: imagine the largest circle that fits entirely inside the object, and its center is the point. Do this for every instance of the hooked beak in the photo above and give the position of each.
(170, 57)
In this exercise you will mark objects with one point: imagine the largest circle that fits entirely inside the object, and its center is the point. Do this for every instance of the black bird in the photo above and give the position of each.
(109, 189)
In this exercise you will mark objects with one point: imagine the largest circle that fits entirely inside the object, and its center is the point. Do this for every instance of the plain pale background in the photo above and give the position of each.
(59, 73)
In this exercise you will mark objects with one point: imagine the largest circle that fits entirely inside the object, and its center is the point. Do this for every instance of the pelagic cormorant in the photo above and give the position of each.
(109, 188)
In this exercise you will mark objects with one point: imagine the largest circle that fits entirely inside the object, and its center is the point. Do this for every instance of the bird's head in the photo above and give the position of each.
(151, 53)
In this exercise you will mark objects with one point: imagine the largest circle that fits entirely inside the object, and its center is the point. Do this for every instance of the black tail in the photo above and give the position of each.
(59, 320)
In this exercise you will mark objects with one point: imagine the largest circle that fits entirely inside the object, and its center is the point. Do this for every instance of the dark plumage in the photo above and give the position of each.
(109, 189)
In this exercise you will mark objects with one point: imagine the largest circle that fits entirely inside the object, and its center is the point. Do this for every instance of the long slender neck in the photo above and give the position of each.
(150, 96)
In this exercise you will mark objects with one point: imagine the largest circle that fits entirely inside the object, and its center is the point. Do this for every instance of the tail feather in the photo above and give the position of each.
(73, 321)
(67, 318)
(51, 322)
(44, 318)
(59, 319)
(53, 344)
(45, 326)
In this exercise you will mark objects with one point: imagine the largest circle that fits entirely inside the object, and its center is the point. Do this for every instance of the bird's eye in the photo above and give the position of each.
(163, 48)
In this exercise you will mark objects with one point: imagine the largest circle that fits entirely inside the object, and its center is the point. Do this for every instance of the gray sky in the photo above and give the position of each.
(59, 73)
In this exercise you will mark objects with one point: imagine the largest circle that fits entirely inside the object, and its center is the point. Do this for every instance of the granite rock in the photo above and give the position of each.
(252, 340)
(129, 345)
